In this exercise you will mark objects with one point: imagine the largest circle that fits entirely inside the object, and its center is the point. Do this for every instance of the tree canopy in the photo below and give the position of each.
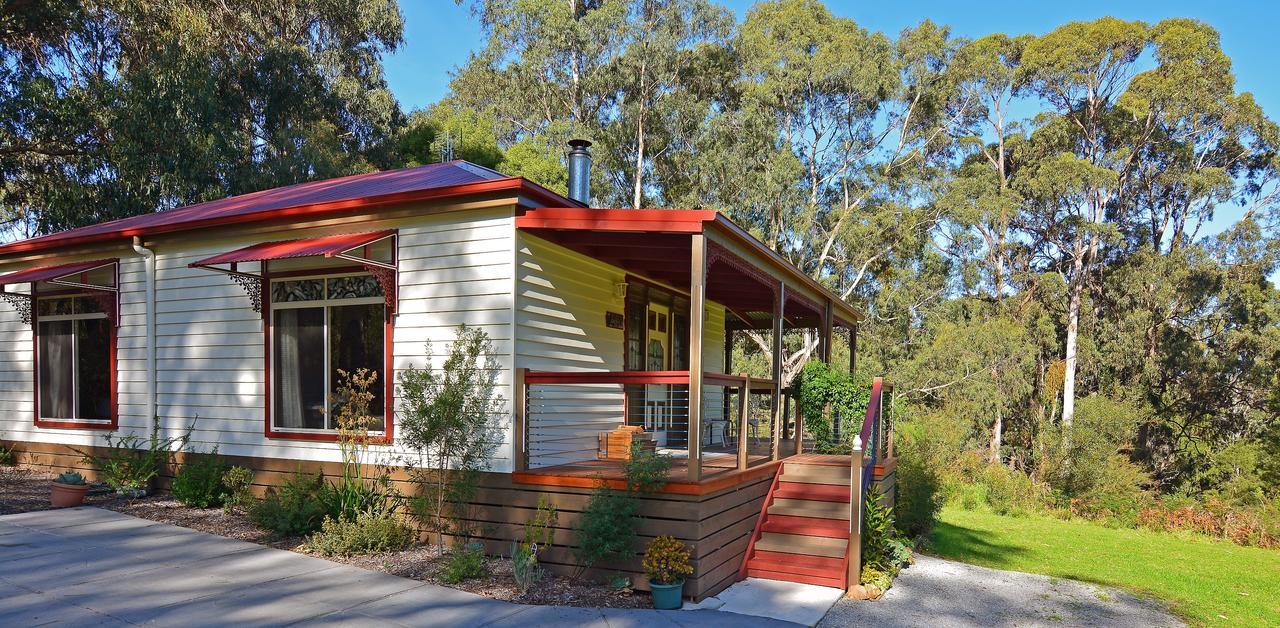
(1029, 220)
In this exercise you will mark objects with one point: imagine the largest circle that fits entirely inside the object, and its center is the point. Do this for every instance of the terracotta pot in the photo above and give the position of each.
(66, 495)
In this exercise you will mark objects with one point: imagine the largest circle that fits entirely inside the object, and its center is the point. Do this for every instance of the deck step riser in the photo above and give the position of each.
(817, 474)
(791, 577)
(812, 492)
(810, 526)
(791, 567)
(806, 508)
(804, 545)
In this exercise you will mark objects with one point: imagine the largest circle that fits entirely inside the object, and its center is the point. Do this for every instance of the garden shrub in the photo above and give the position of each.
(199, 484)
(538, 534)
(237, 496)
(369, 532)
(297, 508)
(919, 485)
(465, 562)
(884, 552)
(606, 529)
(1117, 495)
(447, 425)
(131, 462)
(666, 561)
(7, 457)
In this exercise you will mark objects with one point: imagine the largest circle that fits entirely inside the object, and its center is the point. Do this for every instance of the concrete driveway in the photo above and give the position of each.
(92, 567)
(947, 594)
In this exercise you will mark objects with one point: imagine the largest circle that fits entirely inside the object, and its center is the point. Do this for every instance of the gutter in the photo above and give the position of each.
(150, 257)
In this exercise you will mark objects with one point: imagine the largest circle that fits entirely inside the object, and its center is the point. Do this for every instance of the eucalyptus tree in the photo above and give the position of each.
(1079, 70)
(110, 108)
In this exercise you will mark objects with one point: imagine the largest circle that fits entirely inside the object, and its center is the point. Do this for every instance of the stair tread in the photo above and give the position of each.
(808, 508)
(811, 526)
(800, 544)
(815, 492)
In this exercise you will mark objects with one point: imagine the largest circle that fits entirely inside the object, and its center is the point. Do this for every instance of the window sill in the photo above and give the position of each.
(322, 437)
(76, 425)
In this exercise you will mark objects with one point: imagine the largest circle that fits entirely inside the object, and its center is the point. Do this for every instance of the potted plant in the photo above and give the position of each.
(68, 490)
(666, 562)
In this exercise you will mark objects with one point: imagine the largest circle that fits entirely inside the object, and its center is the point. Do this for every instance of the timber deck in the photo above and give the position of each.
(719, 471)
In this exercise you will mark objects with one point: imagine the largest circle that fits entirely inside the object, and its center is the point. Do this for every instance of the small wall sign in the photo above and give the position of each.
(613, 320)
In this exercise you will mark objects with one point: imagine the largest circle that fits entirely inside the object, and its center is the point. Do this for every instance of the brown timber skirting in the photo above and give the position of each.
(716, 525)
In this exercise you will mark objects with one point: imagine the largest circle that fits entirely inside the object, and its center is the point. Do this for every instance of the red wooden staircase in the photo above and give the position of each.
(803, 531)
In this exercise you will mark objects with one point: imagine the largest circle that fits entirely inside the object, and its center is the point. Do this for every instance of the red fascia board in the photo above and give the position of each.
(625, 220)
(516, 184)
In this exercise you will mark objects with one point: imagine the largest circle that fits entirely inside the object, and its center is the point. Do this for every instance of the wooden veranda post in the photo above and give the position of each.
(825, 338)
(520, 421)
(744, 416)
(854, 575)
(697, 314)
(776, 372)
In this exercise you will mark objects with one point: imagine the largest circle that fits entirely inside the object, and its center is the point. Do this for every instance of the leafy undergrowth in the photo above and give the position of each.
(1206, 582)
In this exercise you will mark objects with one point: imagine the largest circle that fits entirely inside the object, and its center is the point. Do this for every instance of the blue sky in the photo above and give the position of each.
(439, 35)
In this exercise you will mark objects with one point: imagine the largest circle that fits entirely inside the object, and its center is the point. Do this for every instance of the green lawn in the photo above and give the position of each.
(1206, 582)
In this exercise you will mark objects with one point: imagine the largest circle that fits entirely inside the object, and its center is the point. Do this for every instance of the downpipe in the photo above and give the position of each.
(150, 309)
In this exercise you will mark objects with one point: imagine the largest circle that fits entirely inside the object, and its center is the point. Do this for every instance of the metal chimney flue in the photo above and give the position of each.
(580, 171)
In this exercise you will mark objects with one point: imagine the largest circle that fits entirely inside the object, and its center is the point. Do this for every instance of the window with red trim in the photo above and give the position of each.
(319, 325)
(75, 375)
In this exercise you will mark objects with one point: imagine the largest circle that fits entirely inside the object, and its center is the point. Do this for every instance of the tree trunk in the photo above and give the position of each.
(638, 195)
(997, 437)
(1069, 374)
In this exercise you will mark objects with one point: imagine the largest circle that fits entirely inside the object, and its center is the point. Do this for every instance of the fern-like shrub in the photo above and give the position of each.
(199, 484)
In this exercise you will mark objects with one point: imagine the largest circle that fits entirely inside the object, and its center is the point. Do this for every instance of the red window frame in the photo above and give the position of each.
(388, 359)
(113, 421)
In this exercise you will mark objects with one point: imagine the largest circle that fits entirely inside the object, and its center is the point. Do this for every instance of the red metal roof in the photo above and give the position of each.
(327, 246)
(455, 178)
(45, 273)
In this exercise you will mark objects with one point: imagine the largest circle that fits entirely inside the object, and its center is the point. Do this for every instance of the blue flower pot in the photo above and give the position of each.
(667, 596)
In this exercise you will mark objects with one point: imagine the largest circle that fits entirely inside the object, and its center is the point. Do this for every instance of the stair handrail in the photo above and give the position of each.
(861, 472)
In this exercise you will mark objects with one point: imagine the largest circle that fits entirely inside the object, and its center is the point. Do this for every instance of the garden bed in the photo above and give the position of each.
(24, 490)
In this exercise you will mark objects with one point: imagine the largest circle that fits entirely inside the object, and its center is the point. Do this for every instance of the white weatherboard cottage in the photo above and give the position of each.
(240, 311)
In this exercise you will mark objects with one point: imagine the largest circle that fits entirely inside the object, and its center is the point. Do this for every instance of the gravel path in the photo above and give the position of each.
(942, 593)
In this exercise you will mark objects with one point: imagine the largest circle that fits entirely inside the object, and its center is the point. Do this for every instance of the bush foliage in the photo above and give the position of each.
(199, 484)
(296, 508)
(370, 531)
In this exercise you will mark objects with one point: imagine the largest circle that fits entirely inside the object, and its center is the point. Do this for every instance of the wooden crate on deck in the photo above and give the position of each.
(616, 444)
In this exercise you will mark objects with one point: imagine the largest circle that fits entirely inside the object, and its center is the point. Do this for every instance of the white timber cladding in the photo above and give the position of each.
(455, 267)
(17, 363)
(562, 297)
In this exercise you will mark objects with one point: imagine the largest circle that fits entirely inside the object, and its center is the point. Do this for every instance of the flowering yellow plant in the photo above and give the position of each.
(667, 561)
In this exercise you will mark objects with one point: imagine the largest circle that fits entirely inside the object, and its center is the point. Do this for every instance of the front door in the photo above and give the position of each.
(658, 401)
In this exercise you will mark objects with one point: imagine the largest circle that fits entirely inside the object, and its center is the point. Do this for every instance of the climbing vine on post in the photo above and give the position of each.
(827, 395)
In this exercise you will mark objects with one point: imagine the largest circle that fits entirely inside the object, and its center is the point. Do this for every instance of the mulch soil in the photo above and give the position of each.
(24, 490)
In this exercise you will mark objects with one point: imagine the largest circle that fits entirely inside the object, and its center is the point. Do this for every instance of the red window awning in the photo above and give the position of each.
(100, 276)
(328, 246)
(59, 274)
(354, 247)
